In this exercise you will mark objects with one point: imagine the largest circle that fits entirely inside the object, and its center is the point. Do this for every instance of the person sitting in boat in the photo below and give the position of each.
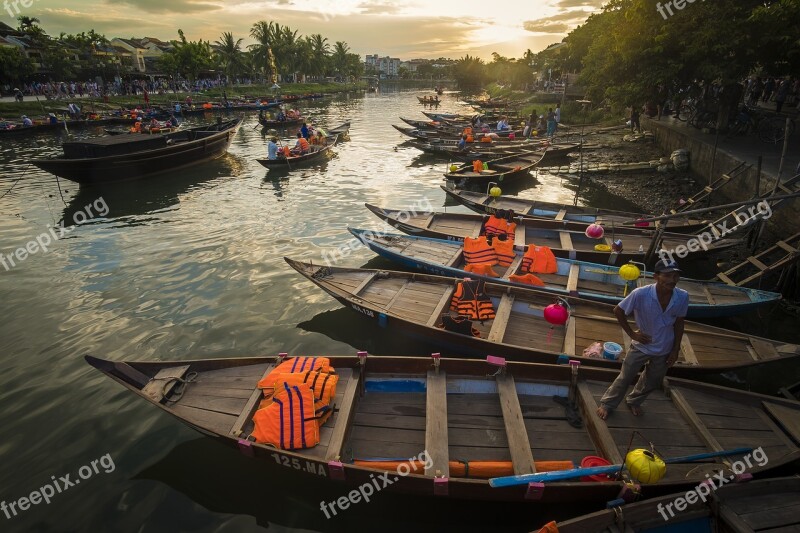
(173, 122)
(26, 122)
(301, 146)
(154, 125)
(178, 108)
(137, 126)
(502, 124)
(272, 148)
(304, 131)
(322, 139)
(51, 117)
(462, 144)
(281, 116)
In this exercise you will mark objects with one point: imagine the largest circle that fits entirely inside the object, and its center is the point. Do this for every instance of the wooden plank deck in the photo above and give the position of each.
(436, 428)
(518, 444)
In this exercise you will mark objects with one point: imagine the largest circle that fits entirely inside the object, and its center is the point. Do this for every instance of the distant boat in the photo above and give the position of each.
(124, 157)
(315, 153)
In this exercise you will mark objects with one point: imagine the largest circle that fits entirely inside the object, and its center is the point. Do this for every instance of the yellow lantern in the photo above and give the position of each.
(645, 466)
(494, 192)
(629, 272)
(453, 167)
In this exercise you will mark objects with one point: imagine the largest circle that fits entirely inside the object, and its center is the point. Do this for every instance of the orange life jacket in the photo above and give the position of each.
(287, 151)
(470, 139)
(495, 226)
(483, 269)
(303, 144)
(295, 365)
(207, 106)
(322, 384)
(486, 139)
(511, 230)
(540, 260)
(478, 251)
(550, 527)
(505, 252)
(470, 300)
(477, 166)
(528, 279)
(290, 421)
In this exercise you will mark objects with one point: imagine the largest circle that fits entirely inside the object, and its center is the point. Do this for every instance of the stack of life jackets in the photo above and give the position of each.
(483, 252)
(500, 223)
(298, 396)
(469, 299)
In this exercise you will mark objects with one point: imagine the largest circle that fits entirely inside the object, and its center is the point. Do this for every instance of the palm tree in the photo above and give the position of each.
(340, 51)
(319, 53)
(27, 23)
(229, 54)
(286, 50)
(265, 33)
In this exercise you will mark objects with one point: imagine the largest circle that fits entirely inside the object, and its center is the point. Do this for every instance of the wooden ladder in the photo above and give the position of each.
(777, 256)
(717, 184)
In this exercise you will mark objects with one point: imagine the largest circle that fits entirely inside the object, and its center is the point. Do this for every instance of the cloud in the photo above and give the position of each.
(566, 4)
(378, 8)
(557, 24)
(172, 6)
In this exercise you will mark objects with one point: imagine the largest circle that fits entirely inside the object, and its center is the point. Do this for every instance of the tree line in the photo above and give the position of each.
(278, 53)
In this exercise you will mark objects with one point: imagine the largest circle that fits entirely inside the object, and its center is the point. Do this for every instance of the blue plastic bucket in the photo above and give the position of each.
(611, 350)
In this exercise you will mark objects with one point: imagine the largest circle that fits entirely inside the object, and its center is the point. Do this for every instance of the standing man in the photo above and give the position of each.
(659, 310)
(551, 123)
(634, 116)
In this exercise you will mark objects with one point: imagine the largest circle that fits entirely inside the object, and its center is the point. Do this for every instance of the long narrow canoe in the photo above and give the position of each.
(761, 505)
(566, 239)
(425, 134)
(400, 407)
(315, 153)
(592, 281)
(537, 209)
(500, 169)
(484, 152)
(413, 304)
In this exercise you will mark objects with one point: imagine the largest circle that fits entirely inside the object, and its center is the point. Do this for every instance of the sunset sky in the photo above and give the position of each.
(405, 28)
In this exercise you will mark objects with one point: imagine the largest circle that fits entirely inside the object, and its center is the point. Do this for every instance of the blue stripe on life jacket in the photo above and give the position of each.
(294, 364)
(291, 418)
(302, 416)
(280, 411)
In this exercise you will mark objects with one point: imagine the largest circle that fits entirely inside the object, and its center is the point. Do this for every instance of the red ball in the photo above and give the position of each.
(556, 314)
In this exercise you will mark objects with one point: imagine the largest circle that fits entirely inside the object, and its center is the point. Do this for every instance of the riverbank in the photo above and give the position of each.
(33, 107)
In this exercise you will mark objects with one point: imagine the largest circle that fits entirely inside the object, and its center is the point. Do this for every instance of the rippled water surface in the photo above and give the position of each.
(183, 266)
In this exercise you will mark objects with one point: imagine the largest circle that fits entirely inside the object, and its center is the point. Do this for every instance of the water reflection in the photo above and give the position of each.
(132, 199)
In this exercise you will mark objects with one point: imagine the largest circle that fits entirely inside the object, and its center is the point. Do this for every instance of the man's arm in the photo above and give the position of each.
(677, 328)
(623, 322)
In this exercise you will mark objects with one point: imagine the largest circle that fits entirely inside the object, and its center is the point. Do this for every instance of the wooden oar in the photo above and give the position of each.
(510, 481)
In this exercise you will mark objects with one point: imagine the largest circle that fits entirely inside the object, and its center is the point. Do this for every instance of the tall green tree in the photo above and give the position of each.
(14, 65)
(229, 55)
(187, 58)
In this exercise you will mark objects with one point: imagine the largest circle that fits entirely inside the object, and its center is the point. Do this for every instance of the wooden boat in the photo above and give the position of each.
(341, 130)
(315, 153)
(536, 209)
(566, 239)
(122, 157)
(428, 100)
(18, 129)
(596, 282)
(400, 407)
(148, 131)
(763, 505)
(281, 124)
(500, 169)
(426, 134)
(413, 305)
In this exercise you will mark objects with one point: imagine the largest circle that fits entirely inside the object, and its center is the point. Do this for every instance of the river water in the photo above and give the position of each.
(189, 266)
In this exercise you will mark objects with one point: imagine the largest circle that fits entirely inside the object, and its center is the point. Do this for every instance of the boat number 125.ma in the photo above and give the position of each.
(294, 462)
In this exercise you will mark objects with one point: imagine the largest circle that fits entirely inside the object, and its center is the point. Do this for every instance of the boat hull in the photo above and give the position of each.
(113, 169)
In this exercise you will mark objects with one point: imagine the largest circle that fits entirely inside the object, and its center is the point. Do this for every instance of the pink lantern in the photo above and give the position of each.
(595, 231)
(556, 314)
